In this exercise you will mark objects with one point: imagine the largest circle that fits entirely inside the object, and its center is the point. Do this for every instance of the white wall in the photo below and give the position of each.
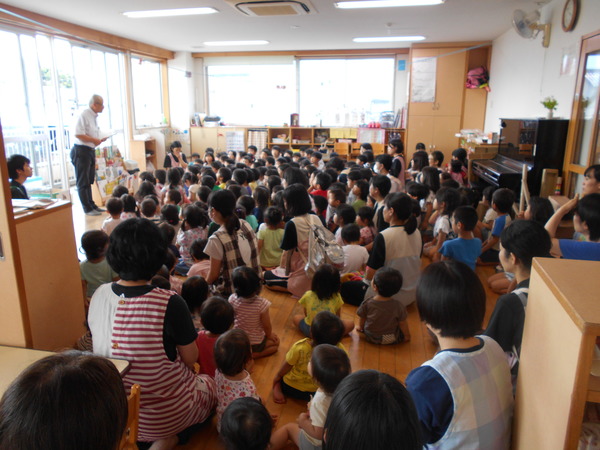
(522, 72)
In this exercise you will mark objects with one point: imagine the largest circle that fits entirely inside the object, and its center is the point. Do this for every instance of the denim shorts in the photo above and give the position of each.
(304, 327)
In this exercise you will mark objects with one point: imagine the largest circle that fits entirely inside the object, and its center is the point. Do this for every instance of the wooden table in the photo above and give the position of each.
(13, 360)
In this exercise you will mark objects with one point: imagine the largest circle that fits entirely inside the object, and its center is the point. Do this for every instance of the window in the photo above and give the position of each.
(50, 80)
(261, 94)
(345, 92)
(147, 93)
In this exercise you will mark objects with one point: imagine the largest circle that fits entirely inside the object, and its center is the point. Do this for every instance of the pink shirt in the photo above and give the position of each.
(247, 316)
(200, 268)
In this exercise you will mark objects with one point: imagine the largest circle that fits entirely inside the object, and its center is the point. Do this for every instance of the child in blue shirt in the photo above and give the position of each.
(466, 248)
(502, 202)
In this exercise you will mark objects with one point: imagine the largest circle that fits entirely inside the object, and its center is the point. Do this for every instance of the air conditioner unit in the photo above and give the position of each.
(272, 8)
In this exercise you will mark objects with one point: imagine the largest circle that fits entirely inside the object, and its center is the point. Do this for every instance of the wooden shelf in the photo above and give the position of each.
(593, 394)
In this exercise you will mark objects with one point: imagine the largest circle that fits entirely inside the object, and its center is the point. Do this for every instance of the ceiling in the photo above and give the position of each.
(327, 28)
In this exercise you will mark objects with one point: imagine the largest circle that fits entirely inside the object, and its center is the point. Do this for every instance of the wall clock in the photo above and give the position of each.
(569, 15)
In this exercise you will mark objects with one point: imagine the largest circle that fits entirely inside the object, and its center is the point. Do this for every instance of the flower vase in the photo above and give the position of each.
(550, 114)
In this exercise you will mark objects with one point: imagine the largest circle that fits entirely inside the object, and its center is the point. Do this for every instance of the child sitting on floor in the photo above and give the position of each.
(344, 215)
(502, 202)
(355, 255)
(270, 238)
(217, 316)
(246, 425)
(469, 375)
(328, 366)
(201, 266)
(194, 291)
(383, 319)
(466, 248)
(293, 379)
(95, 271)
(446, 201)
(252, 311)
(368, 231)
(233, 357)
(114, 207)
(194, 226)
(323, 296)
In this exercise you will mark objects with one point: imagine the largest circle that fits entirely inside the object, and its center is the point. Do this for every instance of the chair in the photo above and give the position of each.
(355, 150)
(342, 149)
(129, 439)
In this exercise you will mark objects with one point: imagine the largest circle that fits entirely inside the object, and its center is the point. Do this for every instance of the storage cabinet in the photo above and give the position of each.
(144, 152)
(454, 107)
(561, 327)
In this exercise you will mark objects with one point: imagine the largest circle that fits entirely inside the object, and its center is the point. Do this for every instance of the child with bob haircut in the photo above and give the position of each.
(293, 379)
(114, 207)
(270, 238)
(217, 317)
(328, 366)
(252, 312)
(194, 291)
(85, 388)
(371, 410)
(463, 395)
(323, 296)
(586, 221)
(446, 201)
(233, 357)
(344, 215)
(201, 260)
(193, 227)
(368, 231)
(502, 202)
(383, 320)
(152, 329)
(246, 425)
(466, 248)
(520, 242)
(355, 255)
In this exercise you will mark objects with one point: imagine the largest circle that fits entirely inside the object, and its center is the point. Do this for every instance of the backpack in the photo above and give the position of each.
(478, 78)
(322, 249)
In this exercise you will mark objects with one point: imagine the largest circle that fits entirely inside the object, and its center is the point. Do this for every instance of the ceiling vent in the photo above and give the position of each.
(273, 8)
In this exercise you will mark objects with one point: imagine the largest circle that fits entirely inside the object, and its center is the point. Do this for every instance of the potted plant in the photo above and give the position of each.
(550, 104)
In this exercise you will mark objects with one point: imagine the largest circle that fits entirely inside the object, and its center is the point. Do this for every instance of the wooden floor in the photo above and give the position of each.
(397, 360)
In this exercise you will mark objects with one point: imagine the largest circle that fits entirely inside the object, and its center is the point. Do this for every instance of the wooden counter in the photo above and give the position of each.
(561, 326)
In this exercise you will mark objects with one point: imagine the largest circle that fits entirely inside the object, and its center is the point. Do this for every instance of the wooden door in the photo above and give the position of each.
(583, 146)
(450, 82)
(444, 135)
(419, 129)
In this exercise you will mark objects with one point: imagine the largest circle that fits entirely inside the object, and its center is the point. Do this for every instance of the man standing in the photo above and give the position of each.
(83, 155)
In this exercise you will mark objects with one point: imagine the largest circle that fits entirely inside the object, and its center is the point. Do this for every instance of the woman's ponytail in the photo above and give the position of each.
(410, 225)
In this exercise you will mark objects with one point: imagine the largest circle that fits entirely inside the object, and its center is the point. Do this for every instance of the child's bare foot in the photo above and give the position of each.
(278, 396)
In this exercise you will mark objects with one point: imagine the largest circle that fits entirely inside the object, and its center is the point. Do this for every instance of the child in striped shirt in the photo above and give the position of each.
(252, 312)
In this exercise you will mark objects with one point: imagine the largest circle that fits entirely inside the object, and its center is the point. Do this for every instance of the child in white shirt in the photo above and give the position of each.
(114, 207)
(355, 255)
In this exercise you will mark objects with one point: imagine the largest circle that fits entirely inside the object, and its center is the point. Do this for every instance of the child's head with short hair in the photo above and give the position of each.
(456, 166)
(195, 217)
(224, 175)
(246, 425)
(167, 232)
(351, 233)
(329, 365)
(273, 217)
(114, 206)
(233, 352)
(129, 203)
(119, 191)
(451, 299)
(240, 176)
(539, 210)
(361, 189)
(148, 208)
(247, 203)
(344, 215)
(503, 200)
(487, 193)
(173, 177)
(197, 250)
(525, 240)
(460, 154)
(466, 216)
(322, 181)
(160, 175)
(335, 197)
(387, 281)
(417, 191)
(170, 214)
(208, 181)
(217, 315)
(320, 204)
(326, 282)
(173, 197)
(94, 243)
(436, 158)
(588, 215)
(364, 216)
(246, 282)
(326, 328)
(203, 193)
(160, 282)
(194, 291)
(447, 200)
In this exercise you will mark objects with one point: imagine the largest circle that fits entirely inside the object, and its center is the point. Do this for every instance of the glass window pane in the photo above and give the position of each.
(589, 105)
(252, 94)
(345, 92)
(147, 93)
(13, 103)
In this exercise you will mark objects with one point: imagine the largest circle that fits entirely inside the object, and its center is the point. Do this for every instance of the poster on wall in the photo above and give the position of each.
(423, 80)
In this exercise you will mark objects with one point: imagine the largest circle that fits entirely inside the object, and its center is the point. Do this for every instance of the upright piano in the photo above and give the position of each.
(537, 143)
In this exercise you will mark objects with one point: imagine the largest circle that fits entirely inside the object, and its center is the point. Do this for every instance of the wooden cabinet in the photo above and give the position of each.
(561, 327)
(144, 152)
(454, 107)
(297, 137)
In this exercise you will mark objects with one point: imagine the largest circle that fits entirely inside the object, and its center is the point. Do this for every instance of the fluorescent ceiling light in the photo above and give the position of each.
(390, 39)
(385, 3)
(235, 43)
(170, 12)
